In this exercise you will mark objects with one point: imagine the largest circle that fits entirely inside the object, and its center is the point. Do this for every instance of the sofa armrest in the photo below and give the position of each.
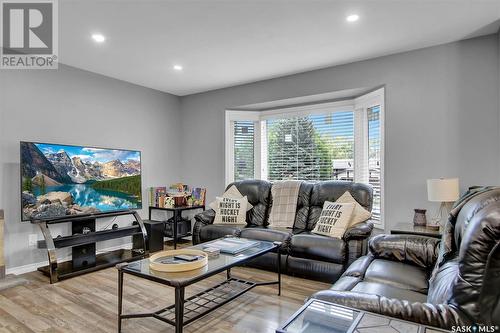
(197, 231)
(359, 231)
(202, 219)
(413, 249)
(206, 217)
(438, 315)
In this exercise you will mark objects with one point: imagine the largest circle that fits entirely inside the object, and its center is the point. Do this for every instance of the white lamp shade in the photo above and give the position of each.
(443, 189)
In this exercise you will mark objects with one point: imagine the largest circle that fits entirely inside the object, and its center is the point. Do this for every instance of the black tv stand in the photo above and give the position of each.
(82, 242)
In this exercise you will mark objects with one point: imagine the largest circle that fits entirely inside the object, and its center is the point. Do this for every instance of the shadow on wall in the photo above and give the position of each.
(17, 250)
(485, 30)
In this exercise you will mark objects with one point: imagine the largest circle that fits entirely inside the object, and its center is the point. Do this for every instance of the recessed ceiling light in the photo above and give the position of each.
(98, 38)
(352, 18)
(178, 67)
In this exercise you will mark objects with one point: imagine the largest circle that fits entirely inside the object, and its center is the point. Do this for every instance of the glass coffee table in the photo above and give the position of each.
(318, 316)
(185, 311)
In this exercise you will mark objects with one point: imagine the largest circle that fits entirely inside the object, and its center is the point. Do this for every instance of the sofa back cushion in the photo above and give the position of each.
(258, 193)
(470, 276)
(302, 212)
(332, 190)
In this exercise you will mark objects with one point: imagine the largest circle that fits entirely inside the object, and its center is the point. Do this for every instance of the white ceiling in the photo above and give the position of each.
(225, 43)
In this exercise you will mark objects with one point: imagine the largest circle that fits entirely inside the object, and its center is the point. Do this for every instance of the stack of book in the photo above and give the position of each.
(198, 196)
(157, 196)
(163, 197)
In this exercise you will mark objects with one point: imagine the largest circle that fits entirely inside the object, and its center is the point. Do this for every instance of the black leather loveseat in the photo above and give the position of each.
(452, 282)
(306, 254)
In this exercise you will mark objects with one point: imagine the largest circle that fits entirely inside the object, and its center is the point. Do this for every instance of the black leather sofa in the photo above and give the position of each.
(305, 254)
(396, 277)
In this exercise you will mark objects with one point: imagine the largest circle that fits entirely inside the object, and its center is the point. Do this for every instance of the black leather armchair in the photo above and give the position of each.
(306, 254)
(419, 279)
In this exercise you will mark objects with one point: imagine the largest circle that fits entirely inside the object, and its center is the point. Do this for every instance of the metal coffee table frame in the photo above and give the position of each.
(185, 311)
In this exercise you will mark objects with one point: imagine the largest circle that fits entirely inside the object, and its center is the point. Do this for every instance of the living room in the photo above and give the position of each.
(309, 108)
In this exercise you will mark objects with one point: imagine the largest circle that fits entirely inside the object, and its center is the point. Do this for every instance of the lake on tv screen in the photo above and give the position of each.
(59, 180)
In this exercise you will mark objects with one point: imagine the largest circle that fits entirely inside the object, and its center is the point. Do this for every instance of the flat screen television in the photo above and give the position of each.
(59, 181)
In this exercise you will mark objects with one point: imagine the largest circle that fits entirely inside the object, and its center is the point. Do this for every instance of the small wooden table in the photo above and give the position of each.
(177, 217)
(411, 229)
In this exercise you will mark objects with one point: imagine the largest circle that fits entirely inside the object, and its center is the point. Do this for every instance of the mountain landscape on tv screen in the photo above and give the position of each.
(59, 180)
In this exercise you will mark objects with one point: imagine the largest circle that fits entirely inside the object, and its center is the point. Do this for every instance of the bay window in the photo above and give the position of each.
(325, 141)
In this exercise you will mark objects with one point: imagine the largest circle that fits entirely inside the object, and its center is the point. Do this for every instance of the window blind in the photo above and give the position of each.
(314, 147)
(374, 140)
(244, 162)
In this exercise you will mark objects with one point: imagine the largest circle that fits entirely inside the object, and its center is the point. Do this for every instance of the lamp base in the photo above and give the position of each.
(441, 215)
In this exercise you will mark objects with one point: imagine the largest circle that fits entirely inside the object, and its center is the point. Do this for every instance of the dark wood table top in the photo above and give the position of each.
(177, 208)
(410, 228)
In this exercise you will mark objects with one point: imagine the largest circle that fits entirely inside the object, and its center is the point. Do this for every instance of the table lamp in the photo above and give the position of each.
(443, 190)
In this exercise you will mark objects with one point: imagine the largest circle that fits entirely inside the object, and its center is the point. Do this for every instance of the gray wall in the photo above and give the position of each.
(77, 107)
(441, 115)
(442, 119)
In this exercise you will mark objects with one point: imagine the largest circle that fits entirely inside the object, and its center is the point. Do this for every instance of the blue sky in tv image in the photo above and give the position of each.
(93, 154)
(60, 180)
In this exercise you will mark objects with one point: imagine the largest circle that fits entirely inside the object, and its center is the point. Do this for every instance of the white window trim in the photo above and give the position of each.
(376, 97)
(307, 110)
(359, 105)
(231, 117)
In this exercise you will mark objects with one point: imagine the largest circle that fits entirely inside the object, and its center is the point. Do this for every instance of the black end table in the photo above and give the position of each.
(411, 229)
(177, 217)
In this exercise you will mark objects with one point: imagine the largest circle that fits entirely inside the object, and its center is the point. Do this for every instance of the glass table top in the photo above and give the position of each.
(321, 317)
(215, 265)
(318, 316)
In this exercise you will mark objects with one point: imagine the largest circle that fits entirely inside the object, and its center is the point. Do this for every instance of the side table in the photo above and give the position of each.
(177, 217)
(411, 229)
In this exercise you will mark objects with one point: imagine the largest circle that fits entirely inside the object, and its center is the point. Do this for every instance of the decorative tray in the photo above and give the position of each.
(178, 260)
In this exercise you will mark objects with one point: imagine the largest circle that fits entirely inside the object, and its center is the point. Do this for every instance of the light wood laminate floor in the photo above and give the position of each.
(88, 303)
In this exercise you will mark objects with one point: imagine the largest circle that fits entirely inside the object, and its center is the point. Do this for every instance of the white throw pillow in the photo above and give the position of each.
(232, 193)
(230, 211)
(334, 220)
(360, 213)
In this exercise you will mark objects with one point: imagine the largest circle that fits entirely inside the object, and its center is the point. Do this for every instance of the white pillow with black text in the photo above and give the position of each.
(360, 214)
(334, 220)
(232, 193)
(230, 211)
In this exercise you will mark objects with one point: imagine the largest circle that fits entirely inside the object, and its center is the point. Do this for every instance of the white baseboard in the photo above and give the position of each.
(33, 267)
(25, 268)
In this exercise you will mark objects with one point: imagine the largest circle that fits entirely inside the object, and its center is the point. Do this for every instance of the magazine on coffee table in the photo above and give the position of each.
(233, 245)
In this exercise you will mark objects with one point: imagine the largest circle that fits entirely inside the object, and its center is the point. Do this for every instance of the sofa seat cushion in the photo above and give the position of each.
(389, 291)
(384, 278)
(268, 234)
(314, 269)
(398, 275)
(317, 247)
(211, 231)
